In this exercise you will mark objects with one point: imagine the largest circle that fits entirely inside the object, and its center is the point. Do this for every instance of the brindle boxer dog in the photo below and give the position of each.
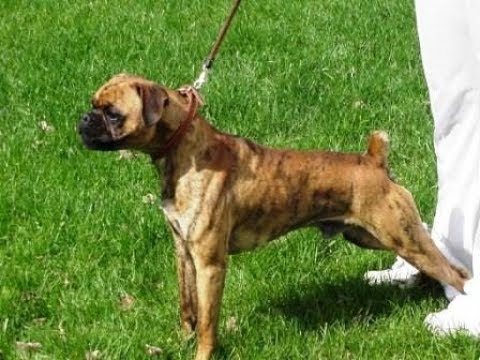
(223, 194)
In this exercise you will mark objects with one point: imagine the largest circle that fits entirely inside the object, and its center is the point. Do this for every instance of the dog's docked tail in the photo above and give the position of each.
(378, 148)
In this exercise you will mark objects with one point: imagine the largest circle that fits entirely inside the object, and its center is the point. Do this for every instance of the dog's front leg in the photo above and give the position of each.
(186, 285)
(210, 259)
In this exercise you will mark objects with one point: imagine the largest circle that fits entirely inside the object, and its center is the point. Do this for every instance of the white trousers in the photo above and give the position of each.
(449, 34)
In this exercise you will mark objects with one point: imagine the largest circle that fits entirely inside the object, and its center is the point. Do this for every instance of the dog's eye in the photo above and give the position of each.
(113, 116)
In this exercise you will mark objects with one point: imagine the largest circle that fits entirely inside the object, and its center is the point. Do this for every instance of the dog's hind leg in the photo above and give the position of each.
(397, 224)
(362, 238)
(354, 234)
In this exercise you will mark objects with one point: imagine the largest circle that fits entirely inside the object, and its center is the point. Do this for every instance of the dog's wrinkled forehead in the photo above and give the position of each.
(120, 91)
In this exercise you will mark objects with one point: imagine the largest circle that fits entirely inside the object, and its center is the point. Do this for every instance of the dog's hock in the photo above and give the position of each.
(378, 147)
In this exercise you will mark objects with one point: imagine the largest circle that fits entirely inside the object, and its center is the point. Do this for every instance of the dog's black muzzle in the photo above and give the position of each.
(95, 133)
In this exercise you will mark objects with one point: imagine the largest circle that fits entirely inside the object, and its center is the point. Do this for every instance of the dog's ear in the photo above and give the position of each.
(154, 99)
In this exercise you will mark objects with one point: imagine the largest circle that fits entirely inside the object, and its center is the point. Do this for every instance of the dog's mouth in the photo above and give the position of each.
(95, 134)
(102, 144)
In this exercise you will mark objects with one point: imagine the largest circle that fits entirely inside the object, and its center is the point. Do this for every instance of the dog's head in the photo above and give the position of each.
(126, 112)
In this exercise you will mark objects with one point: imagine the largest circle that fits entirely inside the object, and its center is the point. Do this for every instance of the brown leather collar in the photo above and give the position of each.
(194, 101)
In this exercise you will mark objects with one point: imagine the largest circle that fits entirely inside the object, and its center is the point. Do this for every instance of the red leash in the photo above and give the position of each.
(207, 65)
(194, 98)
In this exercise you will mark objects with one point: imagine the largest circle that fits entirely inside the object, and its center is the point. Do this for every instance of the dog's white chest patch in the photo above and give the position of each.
(181, 223)
(184, 221)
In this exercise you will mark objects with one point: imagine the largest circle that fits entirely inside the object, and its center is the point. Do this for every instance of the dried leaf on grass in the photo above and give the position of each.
(232, 324)
(126, 302)
(152, 350)
(93, 355)
(148, 199)
(46, 127)
(125, 155)
(27, 346)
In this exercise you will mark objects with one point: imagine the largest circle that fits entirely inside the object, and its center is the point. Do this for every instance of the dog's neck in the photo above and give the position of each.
(176, 110)
(191, 148)
(175, 124)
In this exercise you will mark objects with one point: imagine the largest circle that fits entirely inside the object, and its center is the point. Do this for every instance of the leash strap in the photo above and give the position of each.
(207, 65)
(195, 100)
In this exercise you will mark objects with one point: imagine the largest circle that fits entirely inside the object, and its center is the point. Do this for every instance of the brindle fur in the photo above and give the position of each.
(223, 194)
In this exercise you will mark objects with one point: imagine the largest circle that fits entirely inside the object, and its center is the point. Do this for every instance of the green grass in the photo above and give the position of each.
(75, 235)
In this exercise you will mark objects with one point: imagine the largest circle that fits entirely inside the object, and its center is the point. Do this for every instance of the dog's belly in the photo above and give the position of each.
(245, 239)
(256, 228)
(257, 231)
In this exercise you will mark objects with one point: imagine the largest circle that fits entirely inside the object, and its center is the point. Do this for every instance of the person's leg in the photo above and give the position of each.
(456, 108)
(449, 34)
(474, 25)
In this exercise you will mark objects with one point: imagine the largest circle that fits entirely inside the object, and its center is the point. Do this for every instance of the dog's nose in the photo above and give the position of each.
(85, 118)
(83, 123)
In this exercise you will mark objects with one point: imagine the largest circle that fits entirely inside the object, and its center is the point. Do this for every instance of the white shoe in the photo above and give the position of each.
(461, 315)
(472, 287)
(401, 273)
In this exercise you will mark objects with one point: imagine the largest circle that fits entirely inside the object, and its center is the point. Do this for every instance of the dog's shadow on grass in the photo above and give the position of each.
(350, 302)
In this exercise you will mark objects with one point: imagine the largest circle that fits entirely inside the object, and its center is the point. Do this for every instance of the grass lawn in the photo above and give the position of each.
(76, 235)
